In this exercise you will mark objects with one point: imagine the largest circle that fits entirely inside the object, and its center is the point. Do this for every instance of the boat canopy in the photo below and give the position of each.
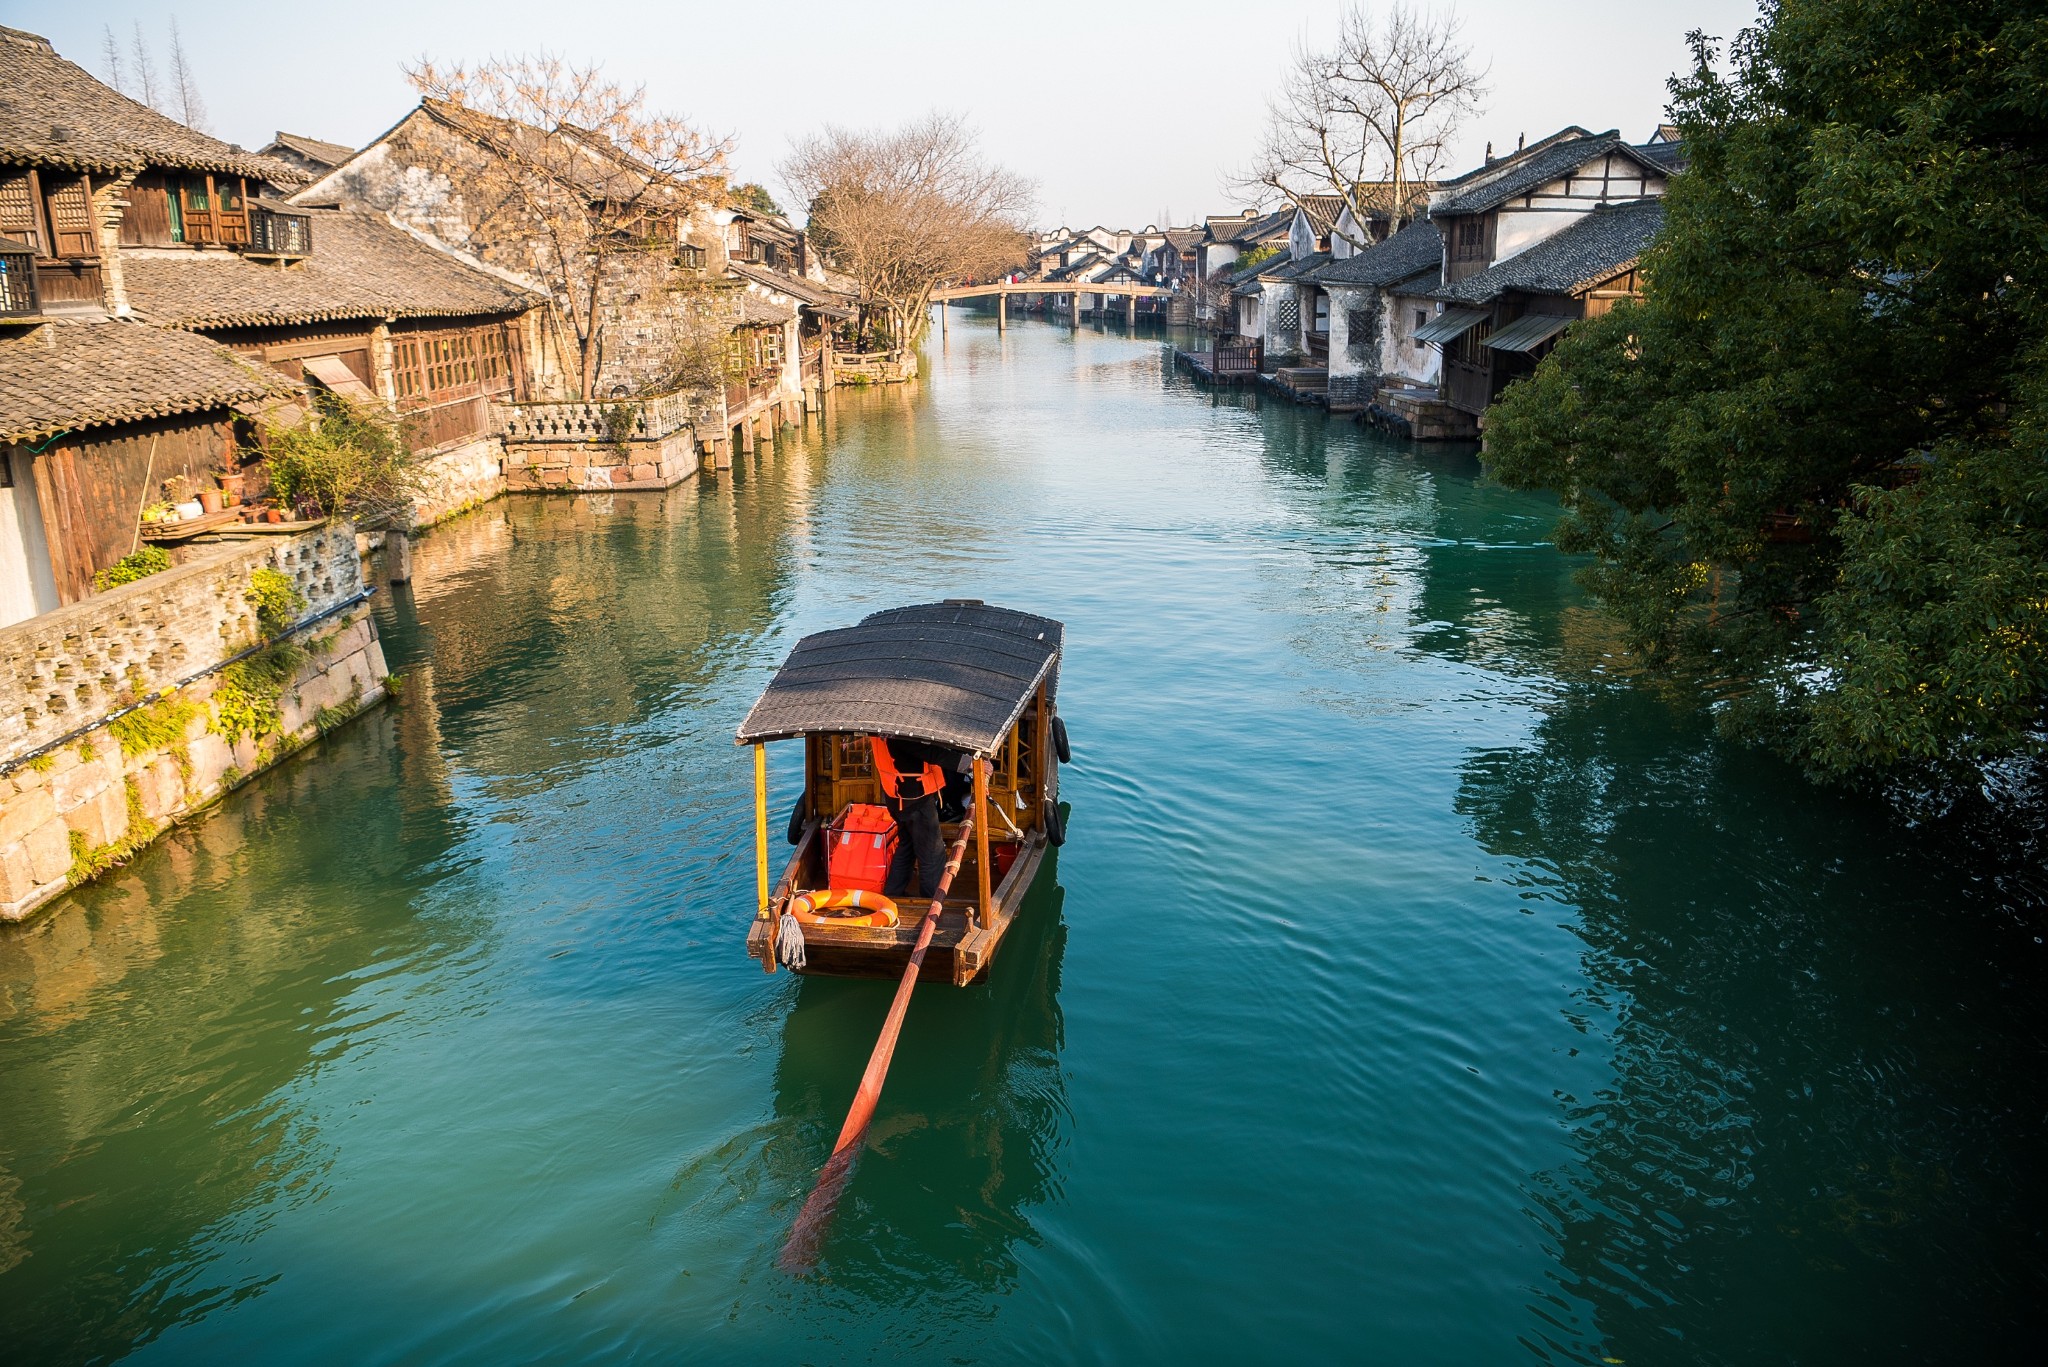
(956, 673)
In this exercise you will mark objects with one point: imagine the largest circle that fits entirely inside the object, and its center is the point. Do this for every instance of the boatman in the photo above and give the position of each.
(914, 775)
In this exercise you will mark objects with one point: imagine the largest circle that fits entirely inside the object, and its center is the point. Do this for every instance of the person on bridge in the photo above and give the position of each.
(914, 775)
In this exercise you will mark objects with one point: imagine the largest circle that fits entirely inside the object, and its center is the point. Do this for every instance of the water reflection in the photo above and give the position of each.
(152, 1125)
(971, 1126)
(1777, 1111)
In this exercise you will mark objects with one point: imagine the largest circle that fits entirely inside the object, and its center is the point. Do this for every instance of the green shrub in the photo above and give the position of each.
(245, 700)
(347, 459)
(129, 568)
(276, 598)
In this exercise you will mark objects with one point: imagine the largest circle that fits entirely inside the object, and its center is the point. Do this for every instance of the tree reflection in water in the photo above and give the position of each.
(1822, 1068)
(147, 1132)
(970, 1128)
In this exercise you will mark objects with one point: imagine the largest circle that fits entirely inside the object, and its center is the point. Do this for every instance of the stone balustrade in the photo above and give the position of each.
(654, 417)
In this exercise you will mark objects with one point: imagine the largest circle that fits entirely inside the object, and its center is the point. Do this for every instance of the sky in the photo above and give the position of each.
(1123, 122)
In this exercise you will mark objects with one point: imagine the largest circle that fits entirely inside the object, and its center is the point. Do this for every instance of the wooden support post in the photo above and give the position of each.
(1002, 310)
(721, 453)
(943, 311)
(987, 917)
(746, 426)
(761, 829)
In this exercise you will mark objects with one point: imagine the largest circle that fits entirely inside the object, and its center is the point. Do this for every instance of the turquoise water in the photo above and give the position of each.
(1411, 987)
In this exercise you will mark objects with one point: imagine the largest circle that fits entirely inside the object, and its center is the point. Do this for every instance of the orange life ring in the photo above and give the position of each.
(830, 908)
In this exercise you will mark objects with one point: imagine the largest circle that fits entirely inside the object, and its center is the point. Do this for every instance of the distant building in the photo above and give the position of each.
(310, 156)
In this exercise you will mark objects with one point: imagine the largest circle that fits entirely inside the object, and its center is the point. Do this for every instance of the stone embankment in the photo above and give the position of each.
(131, 710)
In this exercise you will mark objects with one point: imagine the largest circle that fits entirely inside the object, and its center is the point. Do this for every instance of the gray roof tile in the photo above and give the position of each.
(1599, 245)
(70, 376)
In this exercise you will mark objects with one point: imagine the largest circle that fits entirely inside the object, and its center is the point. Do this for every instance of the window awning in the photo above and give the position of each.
(330, 371)
(1529, 331)
(1450, 325)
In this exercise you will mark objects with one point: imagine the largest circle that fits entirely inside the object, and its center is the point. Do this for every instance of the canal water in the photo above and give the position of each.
(1412, 987)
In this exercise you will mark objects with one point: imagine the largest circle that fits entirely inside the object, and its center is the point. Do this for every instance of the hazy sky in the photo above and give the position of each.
(1168, 99)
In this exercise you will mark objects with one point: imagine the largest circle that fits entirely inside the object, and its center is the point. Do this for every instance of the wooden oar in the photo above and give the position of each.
(805, 1236)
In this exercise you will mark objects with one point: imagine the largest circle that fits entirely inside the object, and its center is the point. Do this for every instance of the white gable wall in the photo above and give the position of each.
(1550, 209)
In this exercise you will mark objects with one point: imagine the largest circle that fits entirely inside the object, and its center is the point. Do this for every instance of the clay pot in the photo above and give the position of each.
(209, 499)
(273, 515)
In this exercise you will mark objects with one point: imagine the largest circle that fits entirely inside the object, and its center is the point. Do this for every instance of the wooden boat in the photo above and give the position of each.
(960, 674)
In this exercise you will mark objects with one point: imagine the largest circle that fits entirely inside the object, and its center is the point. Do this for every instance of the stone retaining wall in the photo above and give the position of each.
(458, 479)
(72, 809)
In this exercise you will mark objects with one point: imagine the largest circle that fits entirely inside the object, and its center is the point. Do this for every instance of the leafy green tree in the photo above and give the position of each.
(755, 196)
(1812, 462)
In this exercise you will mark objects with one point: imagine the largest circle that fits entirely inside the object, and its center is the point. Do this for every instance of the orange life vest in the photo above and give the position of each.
(930, 780)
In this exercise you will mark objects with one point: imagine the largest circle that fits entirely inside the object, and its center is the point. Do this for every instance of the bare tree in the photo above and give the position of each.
(901, 211)
(110, 58)
(145, 68)
(1370, 118)
(576, 170)
(184, 90)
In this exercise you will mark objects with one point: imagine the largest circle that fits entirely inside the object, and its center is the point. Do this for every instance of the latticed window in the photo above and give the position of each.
(405, 360)
(491, 358)
(1358, 330)
(771, 346)
(1288, 315)
(18, 211)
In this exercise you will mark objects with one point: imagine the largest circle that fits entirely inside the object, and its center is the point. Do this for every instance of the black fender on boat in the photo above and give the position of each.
(1055, 825)
(1059, 738)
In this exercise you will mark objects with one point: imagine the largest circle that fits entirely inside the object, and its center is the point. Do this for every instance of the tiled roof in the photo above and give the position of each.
(1416, 248)
(1283, 267)
(1669, 155)
(1275, 224)
(1184, 238)
(1323, 211)
(755, 310)
(53, 113)
(312, 149)
(361, 267)
(70, 376)
(1570, 132)
(1529, 172)
(1600, 245)
(800, 288)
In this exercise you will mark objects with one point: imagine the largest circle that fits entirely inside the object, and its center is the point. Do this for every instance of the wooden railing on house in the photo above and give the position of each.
(1237, 356)
(275, 233)
(18, 295)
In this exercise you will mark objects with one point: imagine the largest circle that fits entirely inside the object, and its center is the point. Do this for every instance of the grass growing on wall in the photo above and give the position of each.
(159, 726)
(129, 568)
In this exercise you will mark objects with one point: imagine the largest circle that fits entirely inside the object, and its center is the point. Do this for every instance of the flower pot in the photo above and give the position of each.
(273, 515)
(209, 500)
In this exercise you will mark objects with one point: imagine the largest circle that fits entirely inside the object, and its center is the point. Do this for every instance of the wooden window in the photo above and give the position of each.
(492, 362)
(405, 361)
(69, 206)
(196, 199)
(1470, 241)
(690, 258)
(230, 196)
(771, 346)
(18, 218)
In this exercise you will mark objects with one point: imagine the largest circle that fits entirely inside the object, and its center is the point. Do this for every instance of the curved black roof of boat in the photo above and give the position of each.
(956, 673)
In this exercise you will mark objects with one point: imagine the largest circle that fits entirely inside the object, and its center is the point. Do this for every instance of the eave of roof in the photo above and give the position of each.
(77, 376)
(957, 674)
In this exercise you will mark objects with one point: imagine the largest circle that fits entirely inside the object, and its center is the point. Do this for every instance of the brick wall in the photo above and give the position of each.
(70, 809)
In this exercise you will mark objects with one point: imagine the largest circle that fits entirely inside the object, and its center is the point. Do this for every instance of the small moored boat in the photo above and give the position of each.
(961, 675)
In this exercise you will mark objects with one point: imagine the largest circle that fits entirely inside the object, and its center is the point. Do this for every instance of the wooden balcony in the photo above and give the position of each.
(278, 235)
(19, 297)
